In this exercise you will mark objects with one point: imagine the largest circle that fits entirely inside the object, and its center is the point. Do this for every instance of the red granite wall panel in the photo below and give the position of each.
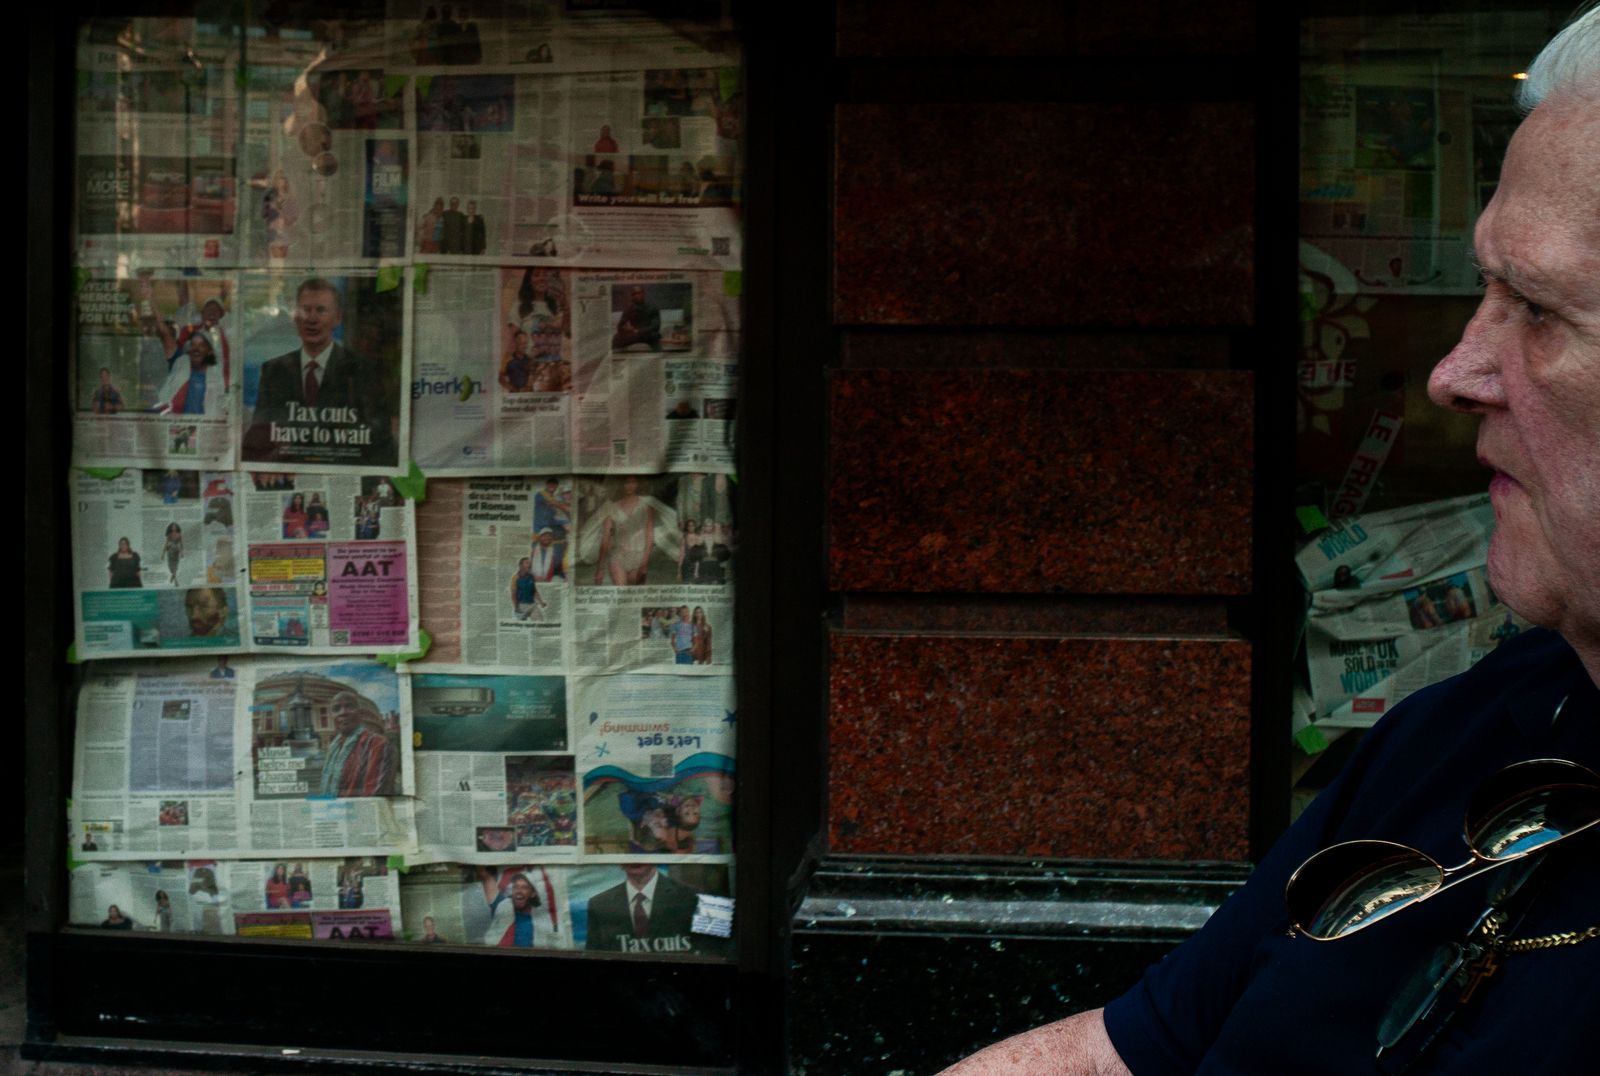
(1044, 214)
(1139, 28)
(1060, 747)
(1029, 481)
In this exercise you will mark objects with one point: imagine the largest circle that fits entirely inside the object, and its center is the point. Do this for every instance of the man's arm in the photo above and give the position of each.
(1076, 1046)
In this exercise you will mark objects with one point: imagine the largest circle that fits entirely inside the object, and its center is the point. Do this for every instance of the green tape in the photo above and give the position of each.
(413, 485)
(424, 84)
(1308, 306)
(424, 644)
(389, 277)
(72, 654)
(1311, 518)
(104, 474)
(727, 82)
(1311, 740)
(733, 283)
(397, 863)
(80, 277)
(393, 84)
(419, 279)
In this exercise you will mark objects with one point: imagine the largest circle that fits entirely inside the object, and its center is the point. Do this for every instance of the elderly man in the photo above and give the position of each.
(361, 761)
(1509, 958)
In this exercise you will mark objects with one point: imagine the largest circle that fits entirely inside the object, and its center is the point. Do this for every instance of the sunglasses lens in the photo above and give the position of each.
(1418, 994)
(1531, 804)
(1344, 888)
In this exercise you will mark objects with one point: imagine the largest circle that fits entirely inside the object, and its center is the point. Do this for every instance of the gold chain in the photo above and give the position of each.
(1547, 941)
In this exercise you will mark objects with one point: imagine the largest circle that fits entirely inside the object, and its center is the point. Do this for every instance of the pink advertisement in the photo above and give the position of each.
(368, 594)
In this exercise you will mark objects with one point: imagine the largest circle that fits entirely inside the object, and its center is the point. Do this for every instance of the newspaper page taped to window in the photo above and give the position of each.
(495, 775)
(234, 759)
(155, 370)
(668, 920)
(325, 360)
(327, 156)
(172, 562)
(512, 906)
(158, 118)
(654, 571)
(331, 561)
(1400, 600)
(351, 899)
(515, 595)
(640, 167)
(155, 560)
(656, 755)
(325, 750)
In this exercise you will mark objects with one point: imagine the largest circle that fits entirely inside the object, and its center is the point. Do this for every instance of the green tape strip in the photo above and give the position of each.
(727, 82)
(397, 863)
(104, 474)
(424, 85)
(1311, 518)
(393, 84)
(424, 644)
(72, 654)
(419, 279)
(1311, 740)
(389, 278)
(413, 485)
(733, 283)
(80, 277)
(1308, 306)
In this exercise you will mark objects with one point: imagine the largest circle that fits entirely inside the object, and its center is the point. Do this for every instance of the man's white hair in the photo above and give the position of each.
(1571, 61)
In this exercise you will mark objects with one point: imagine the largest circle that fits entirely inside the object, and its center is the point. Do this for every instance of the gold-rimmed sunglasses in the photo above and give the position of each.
(1517, 811)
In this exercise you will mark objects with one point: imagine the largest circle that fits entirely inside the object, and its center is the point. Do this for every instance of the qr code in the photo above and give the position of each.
(660, 765)
(341, 637)
(721, 245)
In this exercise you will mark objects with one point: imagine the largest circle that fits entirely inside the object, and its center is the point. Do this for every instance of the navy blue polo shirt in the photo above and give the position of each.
(1242, 996)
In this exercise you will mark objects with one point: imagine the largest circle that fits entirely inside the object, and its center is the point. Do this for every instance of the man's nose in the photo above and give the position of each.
(1468, 378)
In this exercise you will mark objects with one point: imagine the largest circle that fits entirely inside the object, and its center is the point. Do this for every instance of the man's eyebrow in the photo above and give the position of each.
(1517, 277)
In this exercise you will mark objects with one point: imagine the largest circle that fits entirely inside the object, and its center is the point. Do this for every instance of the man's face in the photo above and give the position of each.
(639, 873)
(316, 315)
(346, 715)
(206, 613)
(1529, 364)
(521, 894)
(546, 538)
(683, 613)
(472, 209)
(427, 925)
(105, 376)
(211, 313)
(454, 202)
(524, 566)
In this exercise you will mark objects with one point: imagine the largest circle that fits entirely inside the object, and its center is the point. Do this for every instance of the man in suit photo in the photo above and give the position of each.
(321, 374)
(645, 906)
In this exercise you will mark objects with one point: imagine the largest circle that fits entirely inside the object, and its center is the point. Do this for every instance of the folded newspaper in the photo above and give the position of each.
(1399, 600)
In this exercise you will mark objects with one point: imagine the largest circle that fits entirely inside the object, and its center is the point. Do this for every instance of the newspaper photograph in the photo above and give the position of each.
(154, 370)
(492, 382)
(656, 754)
(686, 908)
(351, 899)
(655, 371)
(654, 569)
(495, 774)
(513, 906)
(330, 563)
(325, 359)
(152, 764)
(157, 120)
(326, 159)
(155, 564)
(638, 168)
(515, 594)
(325, 750)
(1399, 600)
